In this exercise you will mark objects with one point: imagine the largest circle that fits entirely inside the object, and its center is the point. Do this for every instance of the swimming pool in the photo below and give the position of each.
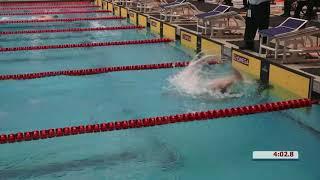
(218, 149)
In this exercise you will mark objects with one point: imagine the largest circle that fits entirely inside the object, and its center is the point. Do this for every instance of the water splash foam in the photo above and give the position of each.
(194, 80)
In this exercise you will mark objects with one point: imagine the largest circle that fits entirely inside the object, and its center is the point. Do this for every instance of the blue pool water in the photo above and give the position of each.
(70, 15)
(59, 25)
(213, 149)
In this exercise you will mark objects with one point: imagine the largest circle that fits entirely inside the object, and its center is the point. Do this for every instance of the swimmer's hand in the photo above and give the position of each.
(207, 60)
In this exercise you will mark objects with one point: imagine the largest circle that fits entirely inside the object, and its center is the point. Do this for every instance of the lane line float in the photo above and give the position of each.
(61, 20)
(49, 7)
(83, 45)
(92, 71)
(60, 12)
(44, 3)
(70, 30)
(155, 121)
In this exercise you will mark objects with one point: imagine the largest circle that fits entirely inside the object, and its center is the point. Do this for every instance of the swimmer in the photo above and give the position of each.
(4, 18)
(47, 17)
(196, 80)
(223, 84)
(220, 84)
(196, 64)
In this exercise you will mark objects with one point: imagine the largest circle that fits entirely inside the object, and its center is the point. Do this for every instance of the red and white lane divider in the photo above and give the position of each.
(85, 72)
(60, 12)
(155, 121)
(83, 45)
(61, 20)
(70, 30)
(44, 3)
(47, 7)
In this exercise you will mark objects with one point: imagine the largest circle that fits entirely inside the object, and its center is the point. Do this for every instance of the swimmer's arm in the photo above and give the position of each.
(201, 61)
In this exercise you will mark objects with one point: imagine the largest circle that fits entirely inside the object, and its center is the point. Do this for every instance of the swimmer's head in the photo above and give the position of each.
(48, 17)
(237, 75)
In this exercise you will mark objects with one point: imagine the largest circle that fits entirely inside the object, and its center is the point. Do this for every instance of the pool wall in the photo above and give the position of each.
(260, 68)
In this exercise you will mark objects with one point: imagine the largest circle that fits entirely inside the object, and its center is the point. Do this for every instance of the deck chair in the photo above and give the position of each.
(179, 12)
(118, 2)
(202, 22)
(289, 25)
(172, 3)
(297, 46)
(223, 25)
(147, 6)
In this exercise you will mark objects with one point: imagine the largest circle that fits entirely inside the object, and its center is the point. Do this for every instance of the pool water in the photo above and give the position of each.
(213, 149)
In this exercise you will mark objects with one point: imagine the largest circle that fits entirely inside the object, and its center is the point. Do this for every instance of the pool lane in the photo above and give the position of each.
(184, 150)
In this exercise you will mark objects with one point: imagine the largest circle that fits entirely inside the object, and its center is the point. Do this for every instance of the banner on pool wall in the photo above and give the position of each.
(295, 82)
(246, 62)
(124, 12)
(189, 40)
(116, 10)
(241, 59)
(142, 20)
(133, 17)
(186, 37)
(105, 6)
(110, 7)
(100, 3)
(169, 31)
(211, 47)
(155, 26)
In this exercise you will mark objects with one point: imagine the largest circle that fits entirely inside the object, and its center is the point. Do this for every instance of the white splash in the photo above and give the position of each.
(34, 101)
(97, 34)
(195, 81)
(4, 18)
(95, 24)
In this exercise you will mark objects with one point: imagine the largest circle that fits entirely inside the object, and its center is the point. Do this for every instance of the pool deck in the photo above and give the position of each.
(229, 43)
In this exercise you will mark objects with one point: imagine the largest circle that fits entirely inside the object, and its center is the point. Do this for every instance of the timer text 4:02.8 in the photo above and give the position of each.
(275, 155)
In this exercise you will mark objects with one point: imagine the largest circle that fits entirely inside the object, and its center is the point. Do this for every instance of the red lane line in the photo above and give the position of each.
(154, 121)
(82, 45)
(85, 72)
(52, 4)
(60, 20)
(49, 7)
(65, 12)
(70, 30)
(42, 3)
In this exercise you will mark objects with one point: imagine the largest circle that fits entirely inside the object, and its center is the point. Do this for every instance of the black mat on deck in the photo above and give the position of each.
(314, 23)
(276, 20)
(202, 6)
(256, 44)
(314, 71)
(206, 7)
(241, 43)
(157, 16)
(134, 8)
(191, 27)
